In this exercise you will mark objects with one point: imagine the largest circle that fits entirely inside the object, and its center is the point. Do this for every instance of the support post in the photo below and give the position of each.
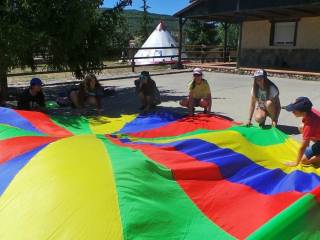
(239, 43)
(225, 43)
(132, 61)
(3, 86)
(179, 65)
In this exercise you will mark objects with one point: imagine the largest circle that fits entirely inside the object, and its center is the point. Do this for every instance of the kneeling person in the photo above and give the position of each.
(199, 93)
(310, 129)
(32, 98)
(90, 92)
(147, 91)
(265, 101)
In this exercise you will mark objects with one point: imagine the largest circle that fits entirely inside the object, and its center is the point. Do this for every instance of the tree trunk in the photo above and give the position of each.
(3, 86)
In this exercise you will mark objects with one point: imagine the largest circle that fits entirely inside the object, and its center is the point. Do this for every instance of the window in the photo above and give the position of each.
(283, 34)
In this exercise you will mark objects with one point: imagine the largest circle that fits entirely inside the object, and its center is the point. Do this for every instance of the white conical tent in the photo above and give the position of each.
(159, 38)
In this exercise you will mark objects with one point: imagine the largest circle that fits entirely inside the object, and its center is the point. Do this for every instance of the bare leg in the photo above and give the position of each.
(184, 102)
(191, 106)
(313, 160)
(188, 102)
(142, 100)
(206, 104)
(74, 97)
(260, 116)
(149, 102)
(273, 110)
(94, 101)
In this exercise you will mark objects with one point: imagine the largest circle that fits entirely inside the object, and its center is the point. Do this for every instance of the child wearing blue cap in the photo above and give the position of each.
(310, 129)
(265, 101)
(32, 99)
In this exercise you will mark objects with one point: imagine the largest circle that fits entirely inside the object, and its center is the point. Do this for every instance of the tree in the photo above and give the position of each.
(145, 21)
(232, 32)
(69, 34)
(199, 33)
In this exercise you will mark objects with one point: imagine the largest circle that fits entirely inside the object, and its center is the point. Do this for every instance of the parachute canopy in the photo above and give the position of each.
(153, 176)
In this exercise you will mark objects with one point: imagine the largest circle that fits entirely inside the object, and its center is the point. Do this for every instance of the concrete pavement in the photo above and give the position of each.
(231, 94)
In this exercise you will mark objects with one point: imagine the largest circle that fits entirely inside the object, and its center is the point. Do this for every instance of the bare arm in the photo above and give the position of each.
(302, 149)
(252, 106)
(209, 99)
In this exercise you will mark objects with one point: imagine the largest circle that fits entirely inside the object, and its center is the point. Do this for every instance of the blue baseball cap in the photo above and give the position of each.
(36, 82)
(302, 104)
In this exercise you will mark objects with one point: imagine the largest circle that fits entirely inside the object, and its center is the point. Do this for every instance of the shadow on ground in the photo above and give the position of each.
(289, 130)
(122, 102)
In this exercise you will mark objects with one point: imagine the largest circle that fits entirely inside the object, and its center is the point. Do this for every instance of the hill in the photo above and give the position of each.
(134, 18)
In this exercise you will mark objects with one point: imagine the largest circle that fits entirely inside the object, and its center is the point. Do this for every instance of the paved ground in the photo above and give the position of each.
(231, 95)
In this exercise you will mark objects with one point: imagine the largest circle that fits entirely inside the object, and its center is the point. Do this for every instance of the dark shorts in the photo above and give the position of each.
(313, 150)
(196, 102)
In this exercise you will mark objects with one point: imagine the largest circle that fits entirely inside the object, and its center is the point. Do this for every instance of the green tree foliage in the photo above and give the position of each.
(70, 34)
(199, 32)
(145, 22)
(232, 34)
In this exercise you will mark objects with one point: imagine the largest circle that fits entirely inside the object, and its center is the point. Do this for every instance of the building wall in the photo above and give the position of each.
(257, 52)
(308, 35)
(256, 34)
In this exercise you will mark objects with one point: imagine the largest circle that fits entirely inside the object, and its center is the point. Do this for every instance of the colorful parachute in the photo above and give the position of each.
(156, 176)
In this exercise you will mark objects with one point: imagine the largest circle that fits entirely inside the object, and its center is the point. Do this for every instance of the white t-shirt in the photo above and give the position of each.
(262, 95)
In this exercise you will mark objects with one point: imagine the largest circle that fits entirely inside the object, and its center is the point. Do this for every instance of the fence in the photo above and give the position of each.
(200, 53)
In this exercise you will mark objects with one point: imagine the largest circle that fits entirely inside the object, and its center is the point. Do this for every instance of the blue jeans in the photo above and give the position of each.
(313, 150)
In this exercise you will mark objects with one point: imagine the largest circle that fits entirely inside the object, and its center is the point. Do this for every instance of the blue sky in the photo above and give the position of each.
(157, 6)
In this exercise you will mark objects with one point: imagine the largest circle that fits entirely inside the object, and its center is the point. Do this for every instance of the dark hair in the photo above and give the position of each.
(267, 85)
(145, 73)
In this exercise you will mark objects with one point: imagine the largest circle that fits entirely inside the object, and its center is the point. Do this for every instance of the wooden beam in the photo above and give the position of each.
(272, 13)
(252, 15)
(304, 11)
